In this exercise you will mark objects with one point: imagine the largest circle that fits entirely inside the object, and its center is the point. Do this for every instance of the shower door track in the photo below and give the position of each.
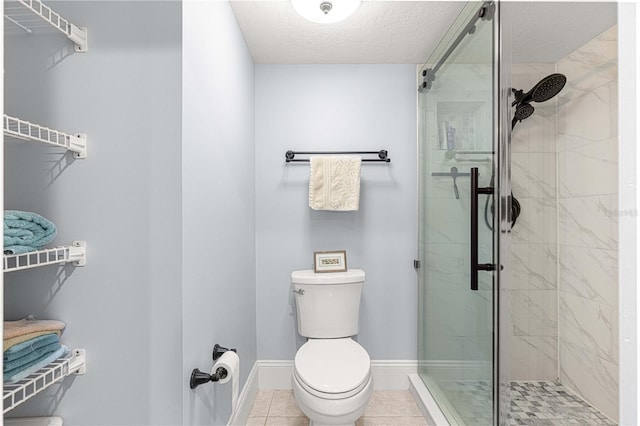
(485, 12)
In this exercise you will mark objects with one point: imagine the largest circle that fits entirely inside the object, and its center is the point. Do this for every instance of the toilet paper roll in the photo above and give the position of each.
(230, 362)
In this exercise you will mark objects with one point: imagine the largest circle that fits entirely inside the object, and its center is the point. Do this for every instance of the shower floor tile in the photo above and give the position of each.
(532, 403)
(550, 403)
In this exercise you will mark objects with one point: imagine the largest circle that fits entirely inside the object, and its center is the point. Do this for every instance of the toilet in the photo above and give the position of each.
(332, 381)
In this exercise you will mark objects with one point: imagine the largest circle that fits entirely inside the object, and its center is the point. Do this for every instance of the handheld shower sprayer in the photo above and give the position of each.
(522, 111)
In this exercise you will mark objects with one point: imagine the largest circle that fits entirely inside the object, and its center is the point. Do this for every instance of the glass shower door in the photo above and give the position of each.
(458, 142)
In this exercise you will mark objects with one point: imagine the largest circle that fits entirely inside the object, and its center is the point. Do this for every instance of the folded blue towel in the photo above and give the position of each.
(20, 373)
(28, 358)
(26, 231)
(28, 346)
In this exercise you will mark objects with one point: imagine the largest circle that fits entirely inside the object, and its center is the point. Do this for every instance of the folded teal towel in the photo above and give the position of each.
(28, 346)
(26, 231)
(28, 358)
(20, 373)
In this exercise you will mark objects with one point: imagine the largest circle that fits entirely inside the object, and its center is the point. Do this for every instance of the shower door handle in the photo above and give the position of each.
(475, 266)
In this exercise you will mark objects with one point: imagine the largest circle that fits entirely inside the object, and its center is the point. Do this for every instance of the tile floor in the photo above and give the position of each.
(532, 403)
(388, 408)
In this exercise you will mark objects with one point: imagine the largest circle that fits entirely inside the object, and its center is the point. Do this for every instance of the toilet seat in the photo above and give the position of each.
(332, 368)
(331, 396)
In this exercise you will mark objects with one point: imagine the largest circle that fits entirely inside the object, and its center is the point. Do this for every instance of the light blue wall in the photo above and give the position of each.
(124, 200)
(218, 280)
(337, 107)
(190, 244)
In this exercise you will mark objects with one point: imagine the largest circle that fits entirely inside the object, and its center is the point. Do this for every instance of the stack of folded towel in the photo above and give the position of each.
(30, 344)
(26, 231)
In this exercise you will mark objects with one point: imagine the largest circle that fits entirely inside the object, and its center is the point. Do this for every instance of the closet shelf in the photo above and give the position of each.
(75, 253)
(15, 394)
(30, 15)
(24, 130)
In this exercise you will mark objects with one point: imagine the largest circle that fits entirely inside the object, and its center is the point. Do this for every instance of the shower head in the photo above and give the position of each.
(522, 111)
(546, 89)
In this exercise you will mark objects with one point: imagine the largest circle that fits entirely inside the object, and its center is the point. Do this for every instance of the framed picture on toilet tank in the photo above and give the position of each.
(330, 261)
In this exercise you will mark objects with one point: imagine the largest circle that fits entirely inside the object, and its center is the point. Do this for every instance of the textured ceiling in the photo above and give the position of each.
(379, 32)
(405, 32)
(549, 31)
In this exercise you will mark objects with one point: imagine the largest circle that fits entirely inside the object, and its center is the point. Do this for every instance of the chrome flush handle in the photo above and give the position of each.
(299, 291)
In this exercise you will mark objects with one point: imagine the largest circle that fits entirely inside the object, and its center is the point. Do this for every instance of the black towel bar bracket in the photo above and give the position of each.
(382, 155)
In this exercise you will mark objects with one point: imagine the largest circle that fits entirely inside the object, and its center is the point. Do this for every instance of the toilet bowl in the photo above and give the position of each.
(332, 381)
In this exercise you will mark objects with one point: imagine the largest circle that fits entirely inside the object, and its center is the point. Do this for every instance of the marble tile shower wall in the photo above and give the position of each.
(587, 155)
(564, 252)
(534, 300)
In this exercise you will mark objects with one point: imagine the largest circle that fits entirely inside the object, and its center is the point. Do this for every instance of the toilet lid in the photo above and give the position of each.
(332, 365)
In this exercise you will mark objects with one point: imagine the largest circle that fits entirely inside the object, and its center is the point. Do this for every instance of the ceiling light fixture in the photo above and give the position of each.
(325, 11)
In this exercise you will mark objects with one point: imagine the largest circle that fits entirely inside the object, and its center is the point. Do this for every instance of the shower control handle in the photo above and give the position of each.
(475, 266)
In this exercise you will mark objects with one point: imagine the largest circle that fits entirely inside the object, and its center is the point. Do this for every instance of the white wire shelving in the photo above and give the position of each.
(30, 15)
(76, 253)
(27, 131)
(15, 394)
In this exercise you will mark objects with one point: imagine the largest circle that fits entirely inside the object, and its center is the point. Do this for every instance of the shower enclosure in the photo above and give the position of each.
(555, 359)
(464, 188)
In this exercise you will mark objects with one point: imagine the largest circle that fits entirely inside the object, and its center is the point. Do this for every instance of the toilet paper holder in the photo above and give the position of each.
(200, 377)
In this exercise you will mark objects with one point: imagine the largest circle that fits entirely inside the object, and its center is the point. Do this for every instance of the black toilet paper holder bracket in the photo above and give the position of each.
(219, 350)
(200, 377)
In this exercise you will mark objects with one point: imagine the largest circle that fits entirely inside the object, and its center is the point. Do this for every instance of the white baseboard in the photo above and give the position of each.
(387, 374)
(392, 374)
(457, 369)
(246, 398)
(275, 374)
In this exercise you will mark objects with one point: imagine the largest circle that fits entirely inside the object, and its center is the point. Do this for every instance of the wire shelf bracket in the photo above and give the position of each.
(15, 394)
(27, 131)
(76, 253)
(21, 13)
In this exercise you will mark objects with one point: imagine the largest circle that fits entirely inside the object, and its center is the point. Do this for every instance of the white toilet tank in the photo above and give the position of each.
(328, 304)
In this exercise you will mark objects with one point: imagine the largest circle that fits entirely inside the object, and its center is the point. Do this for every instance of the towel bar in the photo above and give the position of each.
(382, 155)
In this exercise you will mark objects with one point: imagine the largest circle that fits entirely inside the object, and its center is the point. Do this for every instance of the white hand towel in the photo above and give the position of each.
(334, 183)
